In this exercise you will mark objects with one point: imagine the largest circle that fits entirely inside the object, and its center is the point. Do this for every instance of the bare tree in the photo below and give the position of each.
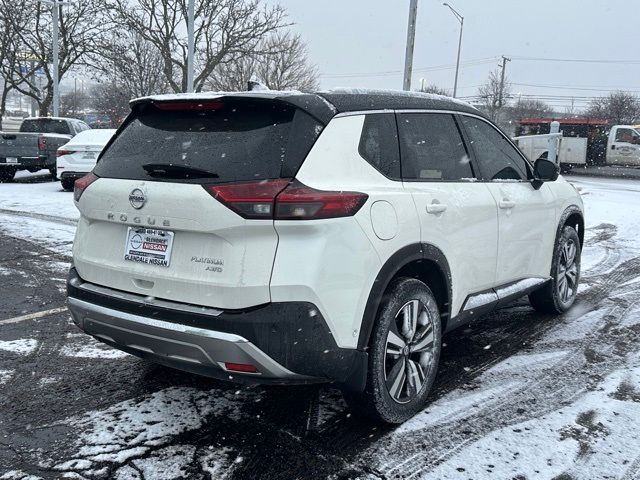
(225, 30)
(281, 62)
(111, 99)
(72, 103)
(82, 25)
(8, 56)
(492, 95)
(133, 63)
(433, 88)
(528, 107)
(287, 66)
(619, 108)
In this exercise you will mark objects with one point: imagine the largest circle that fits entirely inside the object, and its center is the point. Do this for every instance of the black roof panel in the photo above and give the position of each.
(351, 100)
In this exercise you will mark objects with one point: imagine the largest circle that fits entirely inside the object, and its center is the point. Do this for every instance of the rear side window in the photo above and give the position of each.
(379, 144)
(45, 125)
(239, 140)
(432, 148)
(497, 158)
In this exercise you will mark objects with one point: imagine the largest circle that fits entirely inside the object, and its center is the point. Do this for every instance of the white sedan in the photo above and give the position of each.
(78, 157)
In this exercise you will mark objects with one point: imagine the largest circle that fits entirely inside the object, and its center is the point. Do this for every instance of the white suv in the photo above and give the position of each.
(275, 237)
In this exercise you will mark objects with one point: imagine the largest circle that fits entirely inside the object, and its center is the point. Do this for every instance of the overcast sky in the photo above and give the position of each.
(361, 43)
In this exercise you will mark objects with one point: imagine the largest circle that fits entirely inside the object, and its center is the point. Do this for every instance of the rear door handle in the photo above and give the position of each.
(436, 208)
(507, 204)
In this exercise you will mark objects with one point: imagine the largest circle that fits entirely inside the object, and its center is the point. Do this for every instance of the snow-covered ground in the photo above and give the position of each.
(563, 402)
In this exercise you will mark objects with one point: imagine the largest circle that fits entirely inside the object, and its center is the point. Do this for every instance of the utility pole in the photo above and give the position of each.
(190, 44)
(411, 40)
(504, 67)
(56, 60)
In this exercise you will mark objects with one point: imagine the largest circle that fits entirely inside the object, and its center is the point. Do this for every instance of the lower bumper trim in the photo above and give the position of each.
(177, 345)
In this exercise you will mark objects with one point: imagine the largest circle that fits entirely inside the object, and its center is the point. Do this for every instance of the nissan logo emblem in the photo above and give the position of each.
(137, 198)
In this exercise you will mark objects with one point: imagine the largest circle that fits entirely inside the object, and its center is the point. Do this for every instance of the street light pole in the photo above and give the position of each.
(461, 20)
(55, 11)
(190, 44)
(411, 40)
(56, 59)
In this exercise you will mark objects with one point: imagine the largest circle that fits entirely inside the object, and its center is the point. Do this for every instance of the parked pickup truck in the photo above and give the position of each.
(34, 147)
(582, 142)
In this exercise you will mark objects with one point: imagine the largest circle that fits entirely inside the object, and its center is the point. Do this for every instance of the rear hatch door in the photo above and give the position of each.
(148, 224)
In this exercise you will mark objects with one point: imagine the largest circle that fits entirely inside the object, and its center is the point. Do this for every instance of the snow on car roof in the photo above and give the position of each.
(168, 97)
(99, 136)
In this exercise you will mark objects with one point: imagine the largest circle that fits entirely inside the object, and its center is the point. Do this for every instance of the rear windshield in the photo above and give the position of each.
(45, 125)
(233, 141)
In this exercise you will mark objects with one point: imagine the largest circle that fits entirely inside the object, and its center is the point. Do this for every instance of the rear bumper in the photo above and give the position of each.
(69, 175)
(26, 162)
(287, 342)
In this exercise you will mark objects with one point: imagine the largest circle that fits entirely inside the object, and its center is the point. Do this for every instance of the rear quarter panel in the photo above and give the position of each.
(334, 263)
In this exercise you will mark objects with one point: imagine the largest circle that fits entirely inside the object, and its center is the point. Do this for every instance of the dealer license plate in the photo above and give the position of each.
(11, 160)
(148, 245)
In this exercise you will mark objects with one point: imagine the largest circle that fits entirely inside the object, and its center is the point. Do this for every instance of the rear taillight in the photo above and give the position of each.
(60, 152)
(42, 143)
(299, 202)
(81, 185)
(249, 199)
(284, 199)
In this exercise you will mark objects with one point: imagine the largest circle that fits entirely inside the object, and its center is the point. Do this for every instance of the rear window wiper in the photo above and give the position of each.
(169, 170)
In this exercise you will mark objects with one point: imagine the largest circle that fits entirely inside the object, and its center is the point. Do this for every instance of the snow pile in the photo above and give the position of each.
(41, 199)
(136, 428)
(83, 346)
(5, 376)
(604, 421)
(25, 346)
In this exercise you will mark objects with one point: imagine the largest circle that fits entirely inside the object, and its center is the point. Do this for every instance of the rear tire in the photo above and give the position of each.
(558, 295)
(67, 184)
(7, 174)
(403, 355)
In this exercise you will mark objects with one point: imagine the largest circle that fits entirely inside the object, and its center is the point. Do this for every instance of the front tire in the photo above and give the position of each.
(558, 295)
(403, 355)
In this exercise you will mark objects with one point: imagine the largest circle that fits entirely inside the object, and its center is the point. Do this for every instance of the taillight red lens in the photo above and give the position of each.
(81, 185)
(42, 143)
(240, 367)
(299, 202)
(61, 152)
(253, 200)
(284, 199)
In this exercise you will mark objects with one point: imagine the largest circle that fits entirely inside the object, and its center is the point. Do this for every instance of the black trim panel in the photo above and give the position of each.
(471, 315)
(404, 256)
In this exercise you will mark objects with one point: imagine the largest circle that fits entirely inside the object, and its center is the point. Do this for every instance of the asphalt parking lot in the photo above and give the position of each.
(518, 395)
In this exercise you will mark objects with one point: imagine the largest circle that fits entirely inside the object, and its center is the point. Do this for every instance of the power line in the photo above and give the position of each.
(569, 87)
(470, 63)
(577, 60)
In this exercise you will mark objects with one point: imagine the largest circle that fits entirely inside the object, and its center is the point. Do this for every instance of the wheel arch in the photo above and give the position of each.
(422, 261)
(572, 217)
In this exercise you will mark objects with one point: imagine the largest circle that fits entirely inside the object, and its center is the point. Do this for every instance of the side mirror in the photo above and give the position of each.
(544, 171)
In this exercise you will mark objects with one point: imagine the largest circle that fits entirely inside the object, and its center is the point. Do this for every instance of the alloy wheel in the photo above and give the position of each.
(567, 275)
(409, 351)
